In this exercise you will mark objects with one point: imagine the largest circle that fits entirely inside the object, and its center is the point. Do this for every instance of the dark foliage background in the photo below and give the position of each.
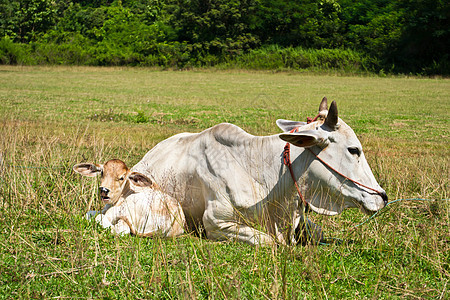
(395, 36)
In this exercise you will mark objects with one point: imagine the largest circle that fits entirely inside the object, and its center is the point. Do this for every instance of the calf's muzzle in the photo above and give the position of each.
(103, 192)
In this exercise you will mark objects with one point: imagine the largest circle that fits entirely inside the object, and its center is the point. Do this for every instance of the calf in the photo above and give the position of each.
(134, 204)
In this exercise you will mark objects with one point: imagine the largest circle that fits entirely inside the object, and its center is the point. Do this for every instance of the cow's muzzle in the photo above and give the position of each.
(384, 197)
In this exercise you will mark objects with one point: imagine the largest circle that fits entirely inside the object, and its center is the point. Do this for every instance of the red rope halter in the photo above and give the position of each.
(287, 162)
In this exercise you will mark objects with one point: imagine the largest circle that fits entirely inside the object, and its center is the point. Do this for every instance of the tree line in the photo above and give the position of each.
(392, 36)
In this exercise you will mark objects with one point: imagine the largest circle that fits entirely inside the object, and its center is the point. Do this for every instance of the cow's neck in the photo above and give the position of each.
(263, 159)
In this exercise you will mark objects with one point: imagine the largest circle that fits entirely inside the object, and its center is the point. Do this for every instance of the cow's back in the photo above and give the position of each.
(173, 156)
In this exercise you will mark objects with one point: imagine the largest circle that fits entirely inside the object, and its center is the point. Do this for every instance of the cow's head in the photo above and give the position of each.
(336, 144)
(115, 180)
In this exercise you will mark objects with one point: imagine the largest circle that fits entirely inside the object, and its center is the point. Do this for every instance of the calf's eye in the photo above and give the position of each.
(354, 151)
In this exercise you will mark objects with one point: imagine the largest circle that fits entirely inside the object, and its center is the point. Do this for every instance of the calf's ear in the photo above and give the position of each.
(307, 138)
(89, 170)
(140, 180)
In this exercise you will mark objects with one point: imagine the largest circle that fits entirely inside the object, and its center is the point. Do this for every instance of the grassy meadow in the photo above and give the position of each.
(54, 117)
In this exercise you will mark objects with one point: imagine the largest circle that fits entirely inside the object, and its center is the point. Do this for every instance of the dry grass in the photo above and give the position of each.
(52, 118)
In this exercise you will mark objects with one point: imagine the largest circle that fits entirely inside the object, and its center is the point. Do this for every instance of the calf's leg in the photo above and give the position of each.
(120, 228)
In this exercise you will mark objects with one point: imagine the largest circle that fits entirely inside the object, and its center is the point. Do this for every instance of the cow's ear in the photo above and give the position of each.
(140, 180)
(307, 138)
(287, 125)
(89, 170)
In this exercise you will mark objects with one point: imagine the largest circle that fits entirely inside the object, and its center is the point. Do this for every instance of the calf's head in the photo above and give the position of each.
(115, 179)
(332, 140)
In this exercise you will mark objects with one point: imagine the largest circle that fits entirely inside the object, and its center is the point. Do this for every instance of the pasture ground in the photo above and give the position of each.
(54, 117)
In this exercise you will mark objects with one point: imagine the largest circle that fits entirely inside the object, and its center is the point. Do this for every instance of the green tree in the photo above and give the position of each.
(424, 45)
(109, 35)
(405, 36)
(25, 20)
(219, 27)
(306, 23)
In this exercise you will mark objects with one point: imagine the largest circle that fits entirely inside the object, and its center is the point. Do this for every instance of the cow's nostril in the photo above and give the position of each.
(385, 198)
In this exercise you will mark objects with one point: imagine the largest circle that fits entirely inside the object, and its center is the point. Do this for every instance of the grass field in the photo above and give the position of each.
(54, 117)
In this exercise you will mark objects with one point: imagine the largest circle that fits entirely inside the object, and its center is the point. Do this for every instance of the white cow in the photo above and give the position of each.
(237, 185)
(134, 204)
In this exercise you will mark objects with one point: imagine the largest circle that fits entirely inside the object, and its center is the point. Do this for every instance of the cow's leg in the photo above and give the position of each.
(243, 233)
(219, 230)
(308, 231)
(226, 193)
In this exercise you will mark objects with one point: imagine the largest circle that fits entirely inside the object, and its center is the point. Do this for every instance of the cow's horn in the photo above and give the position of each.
(332, 117)
(323, 104)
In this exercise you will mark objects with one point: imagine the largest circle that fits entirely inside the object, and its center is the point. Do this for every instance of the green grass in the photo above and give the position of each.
(54, 117)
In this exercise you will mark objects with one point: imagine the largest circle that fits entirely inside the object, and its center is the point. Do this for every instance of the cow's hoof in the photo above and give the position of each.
(309, 233)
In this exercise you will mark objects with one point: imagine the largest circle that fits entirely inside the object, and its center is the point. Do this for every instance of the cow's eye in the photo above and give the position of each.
(122, 178)
(354, 151)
